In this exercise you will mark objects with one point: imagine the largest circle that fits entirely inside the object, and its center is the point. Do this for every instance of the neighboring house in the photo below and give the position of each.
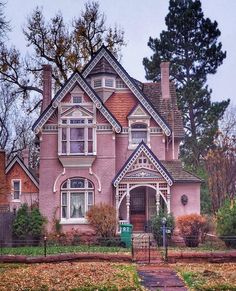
(106, 137)
(21, 183)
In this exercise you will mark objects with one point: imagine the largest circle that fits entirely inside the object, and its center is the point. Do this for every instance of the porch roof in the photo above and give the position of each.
(142, 147)
(179, 174)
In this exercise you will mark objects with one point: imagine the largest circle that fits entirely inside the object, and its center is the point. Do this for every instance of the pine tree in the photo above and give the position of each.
(191, 44)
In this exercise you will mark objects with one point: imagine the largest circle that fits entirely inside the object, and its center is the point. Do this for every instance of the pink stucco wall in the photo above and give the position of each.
(51, 170)
(192, 190)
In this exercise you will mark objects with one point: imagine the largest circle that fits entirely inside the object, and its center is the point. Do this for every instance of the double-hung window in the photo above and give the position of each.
(138, 133)
(77, 136)
(16, 185)
(77, 197)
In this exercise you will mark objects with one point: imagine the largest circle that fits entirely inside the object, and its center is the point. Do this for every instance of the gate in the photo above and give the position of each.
(6, 220)
(144, 248)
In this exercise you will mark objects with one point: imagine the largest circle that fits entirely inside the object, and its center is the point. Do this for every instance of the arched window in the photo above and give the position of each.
(138, 133)
(77, 197)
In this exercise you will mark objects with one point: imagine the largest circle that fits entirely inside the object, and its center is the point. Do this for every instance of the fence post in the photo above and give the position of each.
(45, 245)
(149, 249)
(132, 248)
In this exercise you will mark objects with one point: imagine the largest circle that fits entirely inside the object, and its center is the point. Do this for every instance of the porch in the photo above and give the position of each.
(138, 203)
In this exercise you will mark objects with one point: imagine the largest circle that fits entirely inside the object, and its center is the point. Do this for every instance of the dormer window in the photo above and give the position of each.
(138, 133)
(109, 82)
(120, 84)
(104, 82)
(139, 127)
(97, 83)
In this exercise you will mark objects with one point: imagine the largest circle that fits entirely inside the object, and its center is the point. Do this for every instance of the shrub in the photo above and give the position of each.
(21, 222)
(226, 223)
(156, 225)
(102, 218)
(36, 222)
(191, 228)
(28, 224)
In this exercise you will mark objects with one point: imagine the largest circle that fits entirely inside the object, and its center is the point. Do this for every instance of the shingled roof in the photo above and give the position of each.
(164, 106)
(177, 172)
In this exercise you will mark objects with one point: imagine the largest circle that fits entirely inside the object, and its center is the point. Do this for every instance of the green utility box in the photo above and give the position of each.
(126, 234)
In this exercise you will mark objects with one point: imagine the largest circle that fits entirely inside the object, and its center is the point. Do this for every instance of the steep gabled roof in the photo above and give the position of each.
(142, 147)
(18, 160)
(76, 78)
(130, 83)
(167, 107)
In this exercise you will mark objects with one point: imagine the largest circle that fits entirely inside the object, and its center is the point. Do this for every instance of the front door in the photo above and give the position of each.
(138, 208)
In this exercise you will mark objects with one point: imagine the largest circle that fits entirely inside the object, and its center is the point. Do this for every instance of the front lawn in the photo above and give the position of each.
(39, 251)
(208, 277)
(68, 277)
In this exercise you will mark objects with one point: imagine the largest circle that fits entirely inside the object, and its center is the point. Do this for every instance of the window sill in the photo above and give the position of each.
(74, 221)
(77, 161)
(16, 200)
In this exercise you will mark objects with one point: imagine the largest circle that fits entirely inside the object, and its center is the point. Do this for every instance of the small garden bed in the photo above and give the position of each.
(208, 277)
(68, 277)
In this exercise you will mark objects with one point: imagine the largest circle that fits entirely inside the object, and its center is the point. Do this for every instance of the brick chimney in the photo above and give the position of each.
(47, 86)
(25, 156)
(3, 186)
(165, 82)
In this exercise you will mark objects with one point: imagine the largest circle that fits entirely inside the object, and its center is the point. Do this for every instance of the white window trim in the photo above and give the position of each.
(12, 182)
(86, 190)
(85, 125)
(133, 121)
(103, 82)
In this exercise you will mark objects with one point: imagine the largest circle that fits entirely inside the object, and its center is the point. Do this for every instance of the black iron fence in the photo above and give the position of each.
(143, 247)
(45, 246)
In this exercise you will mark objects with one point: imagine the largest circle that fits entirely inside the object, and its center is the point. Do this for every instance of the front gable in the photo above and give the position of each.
(138, 112)
(75, 80)
(16, 169)
(130, 83)
(76, 111)
(143, 162)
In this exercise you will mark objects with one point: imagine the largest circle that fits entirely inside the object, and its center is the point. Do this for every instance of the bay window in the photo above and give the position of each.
(77, 197)
(77, 136)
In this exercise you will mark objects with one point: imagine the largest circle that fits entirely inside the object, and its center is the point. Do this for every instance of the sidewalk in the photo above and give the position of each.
(160, 277)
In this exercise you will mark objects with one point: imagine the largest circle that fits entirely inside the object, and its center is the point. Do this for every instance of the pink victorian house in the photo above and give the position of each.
(106, 137)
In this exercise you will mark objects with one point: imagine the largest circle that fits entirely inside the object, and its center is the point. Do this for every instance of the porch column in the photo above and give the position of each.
(168, 199)
(128, 203)
(157, 198)
(117, 208)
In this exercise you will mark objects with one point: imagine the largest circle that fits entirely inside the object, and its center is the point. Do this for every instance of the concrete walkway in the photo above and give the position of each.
(161, 278)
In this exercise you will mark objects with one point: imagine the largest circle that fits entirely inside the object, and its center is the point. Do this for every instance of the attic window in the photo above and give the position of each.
(120, 84)
(97, 83)
(77, 99)
(109, 82)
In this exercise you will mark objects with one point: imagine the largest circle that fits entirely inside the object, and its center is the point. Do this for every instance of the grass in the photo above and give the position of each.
(39, 250)
(69, 277)
(208, 277)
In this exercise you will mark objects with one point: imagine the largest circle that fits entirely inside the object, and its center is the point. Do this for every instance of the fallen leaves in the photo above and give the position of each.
(211, 277)
(66, 276)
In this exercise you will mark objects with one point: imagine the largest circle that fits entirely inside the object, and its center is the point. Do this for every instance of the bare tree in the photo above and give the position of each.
(15, 126)
(66, 47)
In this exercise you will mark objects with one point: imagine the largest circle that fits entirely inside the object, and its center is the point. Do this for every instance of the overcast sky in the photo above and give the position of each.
(140, 19)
